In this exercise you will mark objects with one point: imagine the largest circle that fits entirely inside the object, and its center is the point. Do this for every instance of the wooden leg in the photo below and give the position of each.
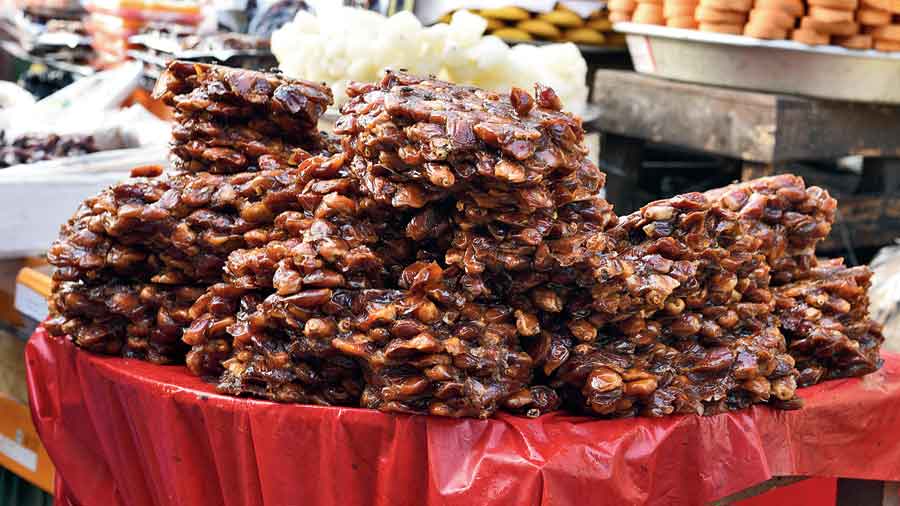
(761, 488)
(620, 158)
(867, 493)
(753, 170)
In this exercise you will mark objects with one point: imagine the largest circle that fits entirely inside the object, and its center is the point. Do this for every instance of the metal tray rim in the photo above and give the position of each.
(744, 41)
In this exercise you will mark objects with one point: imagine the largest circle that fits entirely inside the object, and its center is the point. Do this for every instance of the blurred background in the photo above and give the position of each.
(76, 115)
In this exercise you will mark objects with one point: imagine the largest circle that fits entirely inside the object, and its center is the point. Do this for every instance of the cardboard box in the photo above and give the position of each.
(21, 450)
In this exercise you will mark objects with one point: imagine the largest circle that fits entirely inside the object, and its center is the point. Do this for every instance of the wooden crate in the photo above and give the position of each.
(752, 134)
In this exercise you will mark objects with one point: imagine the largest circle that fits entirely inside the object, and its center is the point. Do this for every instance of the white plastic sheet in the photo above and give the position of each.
(75, 108)
(37, 198)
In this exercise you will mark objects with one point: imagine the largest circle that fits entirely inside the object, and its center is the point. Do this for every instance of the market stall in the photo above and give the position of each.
(441, 256)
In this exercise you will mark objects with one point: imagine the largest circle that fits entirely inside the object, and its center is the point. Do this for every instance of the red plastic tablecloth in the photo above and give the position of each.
(124, 432)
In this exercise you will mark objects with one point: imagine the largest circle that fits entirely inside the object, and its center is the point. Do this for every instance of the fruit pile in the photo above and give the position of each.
(448, 255)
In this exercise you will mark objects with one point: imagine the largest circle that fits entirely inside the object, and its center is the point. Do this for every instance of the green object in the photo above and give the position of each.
(15, 491)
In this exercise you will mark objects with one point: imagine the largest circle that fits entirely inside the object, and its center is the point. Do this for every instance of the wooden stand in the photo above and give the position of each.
(759, 131)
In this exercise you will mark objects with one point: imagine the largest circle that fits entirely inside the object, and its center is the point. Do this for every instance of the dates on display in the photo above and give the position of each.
(825, 319)
(239, 93)
(789, 219)
(32, 148)
(234, 120)
(135, 320)
(449, 253)
(417, 350)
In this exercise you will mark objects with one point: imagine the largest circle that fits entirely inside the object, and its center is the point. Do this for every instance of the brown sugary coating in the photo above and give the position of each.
(825, 319)
(788, 217)
(421, 349)
(528, 240)
(235, 120)
(231, 149)
(211, 314)
(445, 137)
(666, 256)
(238, 93)
(341, 238)
(133, 320)
(190, 250)
(510, 163)
(281, 364)
(693, 366)
(449, 254)
(228, 156)
(180, 229)
(689, 275)
(200, 124)
(132, 230)
(696, 248)
(173, 230)
(322, 254)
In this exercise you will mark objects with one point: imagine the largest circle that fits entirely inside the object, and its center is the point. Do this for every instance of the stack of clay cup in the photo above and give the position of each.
(853, 24)
(680, 13)
(649, 12)
(723, 16)
(773, 19)
(887, 38)
(827, 19)
(621, 10)
(881, 21)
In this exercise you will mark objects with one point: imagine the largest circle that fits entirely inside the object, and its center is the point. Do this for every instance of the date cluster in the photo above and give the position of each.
(446, 252)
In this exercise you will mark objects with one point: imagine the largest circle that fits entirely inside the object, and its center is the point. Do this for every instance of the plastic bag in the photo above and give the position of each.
(125, 432)
(885, 294)
(13, 95)
(72, 108)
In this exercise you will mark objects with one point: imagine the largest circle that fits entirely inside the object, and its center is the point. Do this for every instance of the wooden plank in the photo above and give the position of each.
(753, 126)
(734, 124)
(774, 482)
(810, 129)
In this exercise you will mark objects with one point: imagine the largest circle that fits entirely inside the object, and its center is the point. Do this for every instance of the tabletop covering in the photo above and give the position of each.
(125, 432)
